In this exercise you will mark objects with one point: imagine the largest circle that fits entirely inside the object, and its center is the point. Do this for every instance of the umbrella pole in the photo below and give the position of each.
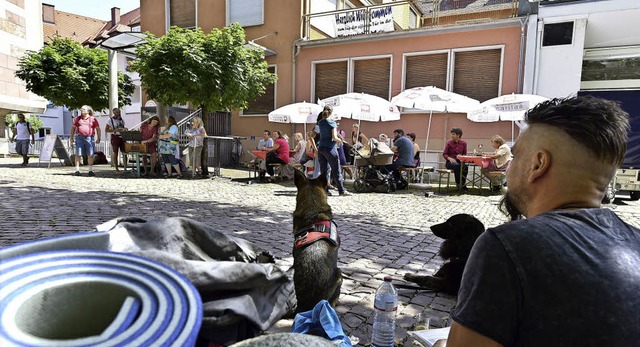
(512, 131)
(426, 144)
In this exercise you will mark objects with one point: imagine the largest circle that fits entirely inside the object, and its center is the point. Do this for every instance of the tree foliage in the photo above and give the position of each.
(215, 70)
(36, 123)
(71, 75)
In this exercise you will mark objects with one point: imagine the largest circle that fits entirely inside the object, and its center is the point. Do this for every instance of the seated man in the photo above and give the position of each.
(568, 274)
(501, 158)
(455, 147)
(404, 148)
(264, 144)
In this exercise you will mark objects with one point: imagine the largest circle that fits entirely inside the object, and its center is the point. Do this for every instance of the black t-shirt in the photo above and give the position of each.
(562, 278)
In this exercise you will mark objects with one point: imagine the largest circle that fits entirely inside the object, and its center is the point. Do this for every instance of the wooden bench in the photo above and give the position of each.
(253, 168)
(442, 173)
(411, 173)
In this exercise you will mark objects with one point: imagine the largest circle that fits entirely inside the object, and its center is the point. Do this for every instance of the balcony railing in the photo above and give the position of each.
(404, 15)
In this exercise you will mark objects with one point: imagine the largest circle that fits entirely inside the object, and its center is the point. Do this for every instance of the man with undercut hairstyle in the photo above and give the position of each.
(568, 274)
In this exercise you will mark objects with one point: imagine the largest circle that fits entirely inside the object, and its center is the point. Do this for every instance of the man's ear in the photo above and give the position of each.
(541, 162)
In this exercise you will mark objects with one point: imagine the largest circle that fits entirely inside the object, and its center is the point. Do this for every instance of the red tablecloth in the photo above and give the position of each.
(481, 161)
(263, 154)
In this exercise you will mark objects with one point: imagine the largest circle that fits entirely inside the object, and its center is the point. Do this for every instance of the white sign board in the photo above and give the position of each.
(354, 23)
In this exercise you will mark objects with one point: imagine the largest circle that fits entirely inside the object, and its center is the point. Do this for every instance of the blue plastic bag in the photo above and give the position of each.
(321, 321)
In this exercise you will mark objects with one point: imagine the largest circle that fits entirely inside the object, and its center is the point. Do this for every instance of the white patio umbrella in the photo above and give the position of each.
(434, 99)
(510, 107)
(362, 106)
(297, 113)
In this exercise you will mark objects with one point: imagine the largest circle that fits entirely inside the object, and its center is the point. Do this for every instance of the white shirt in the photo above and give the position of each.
(23, 131)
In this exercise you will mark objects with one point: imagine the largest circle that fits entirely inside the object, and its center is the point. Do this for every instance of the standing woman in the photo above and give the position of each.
(278, 154)
(168, 143)
(149, 133)
(196, 135)
(327, 152)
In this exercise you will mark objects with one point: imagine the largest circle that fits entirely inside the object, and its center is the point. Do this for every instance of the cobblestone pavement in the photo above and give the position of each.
(382, 234)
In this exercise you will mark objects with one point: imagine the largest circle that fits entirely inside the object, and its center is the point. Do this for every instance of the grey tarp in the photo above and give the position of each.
(242, 291)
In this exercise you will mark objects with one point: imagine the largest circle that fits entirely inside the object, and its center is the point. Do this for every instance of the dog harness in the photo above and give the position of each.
(319, 230)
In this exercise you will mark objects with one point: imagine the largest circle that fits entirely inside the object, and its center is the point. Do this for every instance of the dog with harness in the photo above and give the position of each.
(315, 252)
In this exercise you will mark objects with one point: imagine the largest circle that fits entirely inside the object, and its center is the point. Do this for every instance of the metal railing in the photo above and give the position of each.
(404, 15)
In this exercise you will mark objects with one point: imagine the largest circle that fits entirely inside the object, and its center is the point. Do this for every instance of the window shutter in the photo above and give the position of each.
(330, 79)
(264, 103)
(426, 70)
(371, 76)
(246, 12)
(477, 74)
(183, 13)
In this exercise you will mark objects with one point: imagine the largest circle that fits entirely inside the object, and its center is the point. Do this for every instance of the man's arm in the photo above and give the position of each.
(33, 135)
(461, 336)
(98, 134)
(73, 132)
(14, 131)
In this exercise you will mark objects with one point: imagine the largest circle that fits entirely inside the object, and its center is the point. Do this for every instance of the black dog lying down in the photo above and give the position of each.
(460, 233)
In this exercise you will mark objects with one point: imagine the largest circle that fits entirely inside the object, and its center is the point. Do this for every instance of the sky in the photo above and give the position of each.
(100, 9)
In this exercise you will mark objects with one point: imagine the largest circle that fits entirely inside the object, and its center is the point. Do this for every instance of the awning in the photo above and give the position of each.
(9, 104)
(267, 52)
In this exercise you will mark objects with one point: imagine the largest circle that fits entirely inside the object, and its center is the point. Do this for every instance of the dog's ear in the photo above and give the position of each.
(299, 178)
(321, 181)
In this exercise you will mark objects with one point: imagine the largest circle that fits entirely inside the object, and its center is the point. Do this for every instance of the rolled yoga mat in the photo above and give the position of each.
(95, 298)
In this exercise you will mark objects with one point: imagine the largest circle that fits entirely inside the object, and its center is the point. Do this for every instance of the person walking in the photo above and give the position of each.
(327, 151)
(114, 126)
(22, 130)
(86, 133)
(568, 274)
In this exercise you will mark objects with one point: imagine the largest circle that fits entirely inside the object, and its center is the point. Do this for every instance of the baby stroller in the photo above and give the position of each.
(373, 176)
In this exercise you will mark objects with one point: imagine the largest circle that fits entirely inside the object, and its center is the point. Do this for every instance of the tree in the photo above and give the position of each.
(70, 75)
(214, 71)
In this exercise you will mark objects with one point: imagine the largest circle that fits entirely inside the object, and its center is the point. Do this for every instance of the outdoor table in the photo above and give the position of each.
(263, 154)
(481, 161)
(137, 156)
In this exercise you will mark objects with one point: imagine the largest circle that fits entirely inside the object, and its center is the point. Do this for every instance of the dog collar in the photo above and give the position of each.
(316, 231)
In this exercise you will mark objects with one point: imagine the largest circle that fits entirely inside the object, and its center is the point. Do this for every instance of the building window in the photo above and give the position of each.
(557, 34)
(264, 103)
(372, 76)
(245, 12)
(477, 74)
(182, 13)
(330, 79)
(426, 70)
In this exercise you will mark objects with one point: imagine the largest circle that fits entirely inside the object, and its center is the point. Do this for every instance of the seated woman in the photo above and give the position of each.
(149, 133)
(502, 157)
(416, 149)
(278, 154)
(300, 148)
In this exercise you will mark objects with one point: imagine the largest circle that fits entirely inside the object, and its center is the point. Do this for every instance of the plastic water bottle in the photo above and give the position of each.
(384, 321)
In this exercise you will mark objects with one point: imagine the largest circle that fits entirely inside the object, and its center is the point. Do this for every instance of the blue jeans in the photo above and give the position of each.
(85, 145)
(330, 156)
